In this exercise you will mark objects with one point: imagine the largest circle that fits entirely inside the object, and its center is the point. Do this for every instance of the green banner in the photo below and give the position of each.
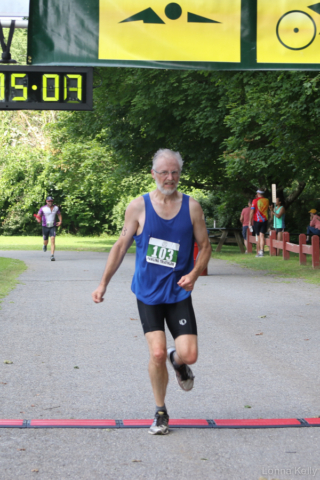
(191, 34)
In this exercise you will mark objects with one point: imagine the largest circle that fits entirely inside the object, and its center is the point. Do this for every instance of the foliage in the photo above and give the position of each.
(274, 121)
(139, 111)
(19, 45)
(235, 131)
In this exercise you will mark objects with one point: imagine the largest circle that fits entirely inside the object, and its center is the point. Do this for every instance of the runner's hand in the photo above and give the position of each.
(97, 295)
(186, 282)
(58, 224)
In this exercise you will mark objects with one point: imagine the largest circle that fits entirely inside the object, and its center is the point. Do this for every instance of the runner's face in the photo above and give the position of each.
(49, 203)
(166, 184)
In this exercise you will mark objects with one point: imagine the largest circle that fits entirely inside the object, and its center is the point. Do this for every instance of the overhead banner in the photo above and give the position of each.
(207, 31)
(189, 34)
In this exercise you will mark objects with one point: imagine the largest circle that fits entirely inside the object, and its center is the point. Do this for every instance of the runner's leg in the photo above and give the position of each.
(157, 365)
(45, 237)
(52, 239)
(182, 324)
(186, 349)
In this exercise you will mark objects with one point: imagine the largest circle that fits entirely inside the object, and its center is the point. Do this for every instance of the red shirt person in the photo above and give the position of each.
(259, 219)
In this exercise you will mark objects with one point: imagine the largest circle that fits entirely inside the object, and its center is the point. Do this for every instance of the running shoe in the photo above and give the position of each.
(52, 258)
(260, 254)
(184, 375)
(160, 424)
(44, 248)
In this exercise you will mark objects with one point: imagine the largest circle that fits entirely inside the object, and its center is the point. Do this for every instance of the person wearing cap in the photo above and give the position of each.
(259, 219)
(314, 227)
(48, 214)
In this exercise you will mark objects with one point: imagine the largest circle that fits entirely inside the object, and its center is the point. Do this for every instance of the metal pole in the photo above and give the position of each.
(6, 22)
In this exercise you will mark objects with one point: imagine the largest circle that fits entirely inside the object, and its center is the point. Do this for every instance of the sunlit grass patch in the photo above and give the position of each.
(102, 243)
(272, 265)
(10, 269)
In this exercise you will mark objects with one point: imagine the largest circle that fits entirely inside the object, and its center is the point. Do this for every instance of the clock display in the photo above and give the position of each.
(45, 88)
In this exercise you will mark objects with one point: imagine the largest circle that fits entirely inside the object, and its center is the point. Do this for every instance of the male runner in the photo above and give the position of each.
(48, 213)
(164, 225)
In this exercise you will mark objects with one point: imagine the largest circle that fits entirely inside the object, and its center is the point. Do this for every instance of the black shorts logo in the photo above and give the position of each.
(183, 321)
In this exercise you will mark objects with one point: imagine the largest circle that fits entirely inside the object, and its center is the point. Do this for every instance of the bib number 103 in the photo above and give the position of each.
(162, 253)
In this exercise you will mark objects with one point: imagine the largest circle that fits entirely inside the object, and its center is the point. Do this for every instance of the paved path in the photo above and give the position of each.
(259, 347)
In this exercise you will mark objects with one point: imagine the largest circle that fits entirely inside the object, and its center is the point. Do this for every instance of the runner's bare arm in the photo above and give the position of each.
(251, 217)
(121, 246)
(201, 236)
(60, 220)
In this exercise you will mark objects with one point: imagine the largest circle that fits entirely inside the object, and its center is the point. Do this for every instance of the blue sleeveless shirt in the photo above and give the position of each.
(154, 284)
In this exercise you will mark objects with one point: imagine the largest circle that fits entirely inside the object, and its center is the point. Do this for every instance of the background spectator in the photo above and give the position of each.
(245, 219)
(314, 227)
(278, 215)
(259, 217)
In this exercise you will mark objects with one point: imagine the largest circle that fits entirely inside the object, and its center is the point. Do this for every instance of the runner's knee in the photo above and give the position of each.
(188, 356)
(158, 355)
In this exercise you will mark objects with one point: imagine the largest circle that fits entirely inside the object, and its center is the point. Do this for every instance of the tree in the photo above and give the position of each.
(138, 111)
(274, 121)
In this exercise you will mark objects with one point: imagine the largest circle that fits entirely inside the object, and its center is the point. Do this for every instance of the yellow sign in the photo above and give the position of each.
(288, 32)
(188, 31)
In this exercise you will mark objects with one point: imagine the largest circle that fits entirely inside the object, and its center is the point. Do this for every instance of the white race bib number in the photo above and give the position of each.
(161, 252)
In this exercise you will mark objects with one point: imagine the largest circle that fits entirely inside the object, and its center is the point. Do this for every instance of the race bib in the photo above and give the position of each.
(50, 224)
(163, 253)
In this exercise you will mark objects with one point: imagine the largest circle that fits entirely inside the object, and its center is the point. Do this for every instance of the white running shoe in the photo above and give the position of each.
(185, 377)
(160, 424)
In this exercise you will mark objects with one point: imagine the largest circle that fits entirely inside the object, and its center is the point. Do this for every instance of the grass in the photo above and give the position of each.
(10, 269)
(271, 265)
(63, 242)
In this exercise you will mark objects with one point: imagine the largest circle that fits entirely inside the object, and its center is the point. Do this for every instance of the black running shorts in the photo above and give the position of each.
(179, 317)
(48, 232)
(260, 227)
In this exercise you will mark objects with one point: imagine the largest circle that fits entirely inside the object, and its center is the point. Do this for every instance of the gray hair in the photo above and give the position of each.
(167, 153)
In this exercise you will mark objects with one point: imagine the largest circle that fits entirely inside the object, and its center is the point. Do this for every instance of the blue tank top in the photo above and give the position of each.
(153, 283)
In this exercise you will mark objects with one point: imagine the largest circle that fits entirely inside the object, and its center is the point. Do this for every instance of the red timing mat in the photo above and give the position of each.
(173, 423)
(72, 423)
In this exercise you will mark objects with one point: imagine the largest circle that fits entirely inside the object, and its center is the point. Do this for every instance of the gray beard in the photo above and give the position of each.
(165, 191)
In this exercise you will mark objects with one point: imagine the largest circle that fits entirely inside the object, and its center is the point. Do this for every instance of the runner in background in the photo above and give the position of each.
(48, 215)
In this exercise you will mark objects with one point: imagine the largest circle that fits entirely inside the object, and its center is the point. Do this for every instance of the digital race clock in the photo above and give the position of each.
(45, 88)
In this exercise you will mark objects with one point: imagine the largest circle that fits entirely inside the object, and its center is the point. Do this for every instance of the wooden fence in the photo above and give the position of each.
(302, 249)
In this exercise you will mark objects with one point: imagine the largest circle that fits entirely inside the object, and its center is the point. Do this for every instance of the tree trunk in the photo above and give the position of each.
(294, 195)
